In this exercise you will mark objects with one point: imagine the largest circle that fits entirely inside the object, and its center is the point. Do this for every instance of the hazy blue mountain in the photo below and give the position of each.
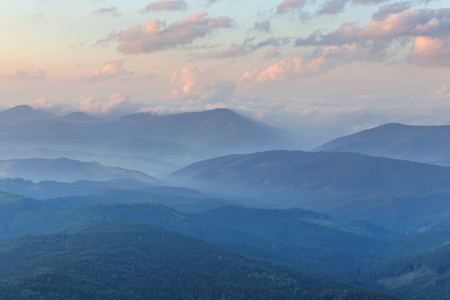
(127, 196)
(143, 163)
(429, 144)
(218, 129)
(414, 213)
(81, 118)
(164, 150)
(50, 189)
(295, 174)
(149, 143)
(63, 169)
(125, 189)
(125, 261)
(400, 195)
(21, 114)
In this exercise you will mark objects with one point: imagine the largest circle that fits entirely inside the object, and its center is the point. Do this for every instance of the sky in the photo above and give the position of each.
(319, 68)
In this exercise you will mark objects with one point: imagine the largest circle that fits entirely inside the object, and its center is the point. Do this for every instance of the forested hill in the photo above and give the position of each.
(131, 261)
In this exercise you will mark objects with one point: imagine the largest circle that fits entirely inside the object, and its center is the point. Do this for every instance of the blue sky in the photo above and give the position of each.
(320, 68)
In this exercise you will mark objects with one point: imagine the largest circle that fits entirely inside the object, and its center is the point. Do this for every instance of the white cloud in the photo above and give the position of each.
(116, 103)
(40, 103)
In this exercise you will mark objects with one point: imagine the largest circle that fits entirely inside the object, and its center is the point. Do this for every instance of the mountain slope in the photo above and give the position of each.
(63, 169)
(418, 143)
(297, 173)
(424, 276)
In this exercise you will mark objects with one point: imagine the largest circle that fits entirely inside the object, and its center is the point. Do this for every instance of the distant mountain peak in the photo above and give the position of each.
(81, 118)
(219, 130)
(23, 113)
(22, 107)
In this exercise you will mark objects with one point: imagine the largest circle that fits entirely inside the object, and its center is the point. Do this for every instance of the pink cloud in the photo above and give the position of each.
(290, 5)
(157, 35)
(406, 24)
(413, 22)
(112, 70)
(303, 66)
(427, 30)
(443, 92)
(194, 84)
(430, 51)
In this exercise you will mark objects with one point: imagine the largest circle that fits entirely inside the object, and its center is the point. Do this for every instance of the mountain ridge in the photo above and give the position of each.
(65, 169)
(429, 144)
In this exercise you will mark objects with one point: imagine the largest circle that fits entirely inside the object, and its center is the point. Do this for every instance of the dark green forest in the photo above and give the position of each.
(132, 261)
